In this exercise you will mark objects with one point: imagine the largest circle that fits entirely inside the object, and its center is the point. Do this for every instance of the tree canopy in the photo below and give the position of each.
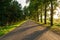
(10, 12)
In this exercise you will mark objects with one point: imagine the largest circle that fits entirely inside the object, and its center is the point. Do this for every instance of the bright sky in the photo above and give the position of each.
(22, 2)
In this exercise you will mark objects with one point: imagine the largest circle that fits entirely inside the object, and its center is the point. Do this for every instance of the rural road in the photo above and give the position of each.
(31, 31)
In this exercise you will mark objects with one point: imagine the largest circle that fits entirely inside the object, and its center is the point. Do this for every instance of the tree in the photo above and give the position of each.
(10, 12)
(52, 3)
(35, 5)
(3, 9)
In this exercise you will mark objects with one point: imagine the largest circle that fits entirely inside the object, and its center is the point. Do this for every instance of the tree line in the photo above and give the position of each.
(10, 12)
(40, 8)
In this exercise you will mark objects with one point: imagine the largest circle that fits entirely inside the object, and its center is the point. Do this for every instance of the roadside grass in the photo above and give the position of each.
(6, 29)
(55, 28)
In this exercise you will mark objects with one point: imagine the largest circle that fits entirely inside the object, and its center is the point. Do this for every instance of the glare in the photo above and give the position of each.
(55, 17)
(49, 12)
(28, 4)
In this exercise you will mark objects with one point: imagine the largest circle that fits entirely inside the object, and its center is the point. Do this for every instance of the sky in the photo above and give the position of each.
(23, 3)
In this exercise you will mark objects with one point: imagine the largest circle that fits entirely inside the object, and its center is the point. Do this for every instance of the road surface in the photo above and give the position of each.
(31, 31)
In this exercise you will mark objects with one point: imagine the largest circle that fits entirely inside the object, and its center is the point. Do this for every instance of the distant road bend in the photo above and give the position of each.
(31, 31)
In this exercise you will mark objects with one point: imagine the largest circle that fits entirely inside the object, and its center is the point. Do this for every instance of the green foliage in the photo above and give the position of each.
(10, 12)
(6, 29)
(40, 7)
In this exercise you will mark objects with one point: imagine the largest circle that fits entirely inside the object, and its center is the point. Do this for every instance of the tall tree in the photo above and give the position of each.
(45, 11)
(10, 12)
(52, 9)
(51, 12)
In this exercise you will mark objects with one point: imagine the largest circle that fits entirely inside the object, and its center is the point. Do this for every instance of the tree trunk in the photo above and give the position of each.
(45, 14)
(51, 13)
(41, 15)
(37, 17)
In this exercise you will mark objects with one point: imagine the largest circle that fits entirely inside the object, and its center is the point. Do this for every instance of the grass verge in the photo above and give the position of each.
(54, 28)
(6, 29)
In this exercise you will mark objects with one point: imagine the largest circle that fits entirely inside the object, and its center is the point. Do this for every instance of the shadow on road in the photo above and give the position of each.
(20, 30)
(36, 34)
(27, 37)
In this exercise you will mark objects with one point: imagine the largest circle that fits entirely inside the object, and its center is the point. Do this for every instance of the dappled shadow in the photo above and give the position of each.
(25, 28)
(36, 34)
(19, 31)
